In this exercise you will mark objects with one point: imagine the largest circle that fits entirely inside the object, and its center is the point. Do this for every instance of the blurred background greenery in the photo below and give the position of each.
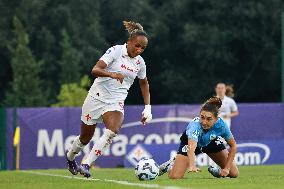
(48, 48)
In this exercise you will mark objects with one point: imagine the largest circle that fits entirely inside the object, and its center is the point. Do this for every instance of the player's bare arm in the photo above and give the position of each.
(146, 114)
(191, 156)
(99, 71)
(231, 156)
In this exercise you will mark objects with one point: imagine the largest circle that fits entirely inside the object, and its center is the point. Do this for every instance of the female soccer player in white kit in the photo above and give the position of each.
(115, 71)
(229, 108)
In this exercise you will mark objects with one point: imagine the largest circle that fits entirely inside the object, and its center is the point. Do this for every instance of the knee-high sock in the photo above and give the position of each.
(100, 146)
(76, 147)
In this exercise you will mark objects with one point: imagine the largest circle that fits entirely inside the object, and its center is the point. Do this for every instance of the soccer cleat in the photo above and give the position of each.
(215, 171)
(165, 167)
(72, 165)
(85, 170)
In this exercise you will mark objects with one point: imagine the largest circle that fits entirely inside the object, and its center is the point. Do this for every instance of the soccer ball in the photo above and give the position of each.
(147, 169)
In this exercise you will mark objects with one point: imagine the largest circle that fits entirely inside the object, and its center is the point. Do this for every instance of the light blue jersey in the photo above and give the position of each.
(195, 132)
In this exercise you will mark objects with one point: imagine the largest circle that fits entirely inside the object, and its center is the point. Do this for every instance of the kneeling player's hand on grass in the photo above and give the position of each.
(224, 172)
(194, 169)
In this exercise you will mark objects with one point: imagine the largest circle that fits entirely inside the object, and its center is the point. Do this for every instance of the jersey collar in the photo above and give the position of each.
(124, 52)
(216, 124)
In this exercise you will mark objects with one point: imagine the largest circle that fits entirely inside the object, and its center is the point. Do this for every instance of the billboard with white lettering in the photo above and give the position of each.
(249, 153)
(47, 132)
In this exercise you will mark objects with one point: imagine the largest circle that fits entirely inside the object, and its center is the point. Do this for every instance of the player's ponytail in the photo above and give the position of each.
(212, 105)
(134, 29)
(230, 91)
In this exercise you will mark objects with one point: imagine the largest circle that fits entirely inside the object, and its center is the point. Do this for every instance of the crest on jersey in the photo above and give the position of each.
(212, 136)
(108, 51)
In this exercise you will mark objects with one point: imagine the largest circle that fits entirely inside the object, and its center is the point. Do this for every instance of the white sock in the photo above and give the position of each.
(76, 147)
(100, 146)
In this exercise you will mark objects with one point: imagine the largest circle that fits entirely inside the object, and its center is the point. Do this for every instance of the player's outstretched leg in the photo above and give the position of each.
(72, 165)
(98, 149)
(166, 167)
(215, 171)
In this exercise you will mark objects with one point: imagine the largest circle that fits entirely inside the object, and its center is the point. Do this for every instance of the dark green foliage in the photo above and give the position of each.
(192, 45)
(26, 87)
(70, 61)
(73, 94)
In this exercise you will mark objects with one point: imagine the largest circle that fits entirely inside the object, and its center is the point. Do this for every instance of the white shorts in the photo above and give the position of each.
(93, 109)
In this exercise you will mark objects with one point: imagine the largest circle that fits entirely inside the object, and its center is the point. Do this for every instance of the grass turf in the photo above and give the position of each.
(252, 177)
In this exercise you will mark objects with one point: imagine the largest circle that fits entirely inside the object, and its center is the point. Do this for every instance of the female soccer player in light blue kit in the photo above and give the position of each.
(202, 135)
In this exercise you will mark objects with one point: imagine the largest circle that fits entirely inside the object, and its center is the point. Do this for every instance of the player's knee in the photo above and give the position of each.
(114, 127)
(113, 121)
(234, 174)
(173, 175)
(115, 130)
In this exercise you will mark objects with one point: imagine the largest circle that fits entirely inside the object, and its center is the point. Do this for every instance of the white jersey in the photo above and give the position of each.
(111, 90)
(228, 106)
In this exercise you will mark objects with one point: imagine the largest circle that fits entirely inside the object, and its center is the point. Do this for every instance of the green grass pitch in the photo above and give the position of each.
(251, 177)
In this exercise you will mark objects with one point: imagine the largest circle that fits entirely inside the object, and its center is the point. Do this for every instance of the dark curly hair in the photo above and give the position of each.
(212, 105)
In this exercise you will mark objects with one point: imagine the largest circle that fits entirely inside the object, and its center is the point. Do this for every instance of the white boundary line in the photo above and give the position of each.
(104, 180)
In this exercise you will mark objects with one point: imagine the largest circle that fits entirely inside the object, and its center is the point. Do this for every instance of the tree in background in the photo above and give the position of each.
(73, 94)
(26, 87)
(70, 61)
(192, 44)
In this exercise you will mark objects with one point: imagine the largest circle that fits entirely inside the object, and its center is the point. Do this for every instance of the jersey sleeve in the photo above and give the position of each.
(192, 131)
(227, 134)
(234, 106)
(110, 55)
(142, 71)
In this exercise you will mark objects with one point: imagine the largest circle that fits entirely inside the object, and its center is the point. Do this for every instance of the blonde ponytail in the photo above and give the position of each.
(134, 28)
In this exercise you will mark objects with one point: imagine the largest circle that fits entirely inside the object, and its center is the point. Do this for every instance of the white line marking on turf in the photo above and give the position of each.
(105, 180)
